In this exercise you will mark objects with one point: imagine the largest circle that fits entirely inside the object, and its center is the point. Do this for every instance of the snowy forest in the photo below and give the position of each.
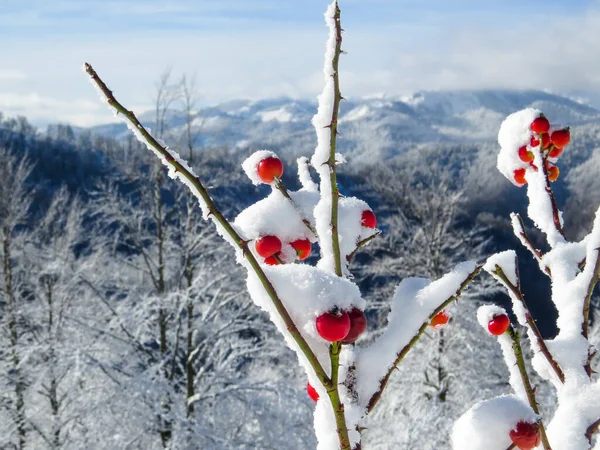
(125, 322)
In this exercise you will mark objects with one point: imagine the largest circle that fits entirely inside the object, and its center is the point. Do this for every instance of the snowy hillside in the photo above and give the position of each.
(374, 128)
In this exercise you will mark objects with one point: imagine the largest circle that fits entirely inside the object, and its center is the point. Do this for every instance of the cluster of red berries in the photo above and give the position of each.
(344, 327)
(336, 326)
(526, 435)
(551, 143)
(269, 247)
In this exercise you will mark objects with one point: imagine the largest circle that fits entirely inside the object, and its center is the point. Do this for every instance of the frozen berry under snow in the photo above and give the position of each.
(312, 392)
(358, 324)
(271, 261)
(333, 327)
(561, 138)
(526, 435)
(525, 155)
(303, 248)
(499, 324)
(553, 173)
(269, 169)
(368, 219)
(519, 177)
(439, 320)
(540, 125)
(267, 246)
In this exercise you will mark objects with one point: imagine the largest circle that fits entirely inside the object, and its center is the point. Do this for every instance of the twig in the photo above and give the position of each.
(516, 291)
(518, 351)
(555, 212)
(333, 391)
(360, 244)
(586, 310)
(333, 126)
(198, 188)
(281, 188)
(592, 429)
(526, 241)
(383, 383)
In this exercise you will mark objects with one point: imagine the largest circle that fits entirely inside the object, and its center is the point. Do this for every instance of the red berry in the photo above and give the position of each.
(358, 324)
(525, 155)
(553, 173)
(312, 392)
(271, 261)
(269, 168)
(555, 152)
(303, 248)
(519, 176)
(540, 125)
(267, 246)
(499, 324)
(368, 219)
(333, 327)
(534, 142)
(439, 320)
(526, 435)
(546, 142)
(561, 138)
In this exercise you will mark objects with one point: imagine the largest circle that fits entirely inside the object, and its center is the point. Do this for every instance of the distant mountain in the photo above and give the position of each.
(375, 128)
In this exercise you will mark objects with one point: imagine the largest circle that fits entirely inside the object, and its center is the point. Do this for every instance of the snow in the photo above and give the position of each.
(486, 313)
(276, 215)
(278, 115)
(357, 113)
(250, 165)
(578, 404)
(487, 425)
(304, 175)
(507, 261)
(413, 303)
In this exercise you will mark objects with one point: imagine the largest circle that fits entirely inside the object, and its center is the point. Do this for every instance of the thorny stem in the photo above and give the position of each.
(338, 407)
(537, 254)
(362, 243)
(518, 351)
(218, 216)
(512, 447)
(333, 126)
(334, 396)
(555, 212)
(383, 383)
(516, 290)
(281, 188)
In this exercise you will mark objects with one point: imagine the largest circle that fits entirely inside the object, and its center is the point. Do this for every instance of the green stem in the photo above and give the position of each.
(334, 396)
(400, 356)
(516, 290)
(333, 126)
(518, 351)
(201, 191)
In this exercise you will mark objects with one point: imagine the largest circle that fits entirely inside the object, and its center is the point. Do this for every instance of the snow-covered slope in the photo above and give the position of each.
(375, 128)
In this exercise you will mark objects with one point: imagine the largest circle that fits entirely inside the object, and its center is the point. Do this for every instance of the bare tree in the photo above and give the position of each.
(15, 202)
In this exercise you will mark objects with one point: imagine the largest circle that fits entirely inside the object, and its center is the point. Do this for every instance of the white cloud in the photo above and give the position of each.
(7, 75)
(279, 60)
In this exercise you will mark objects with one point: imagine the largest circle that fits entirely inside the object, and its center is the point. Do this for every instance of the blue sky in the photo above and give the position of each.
(265, 48)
